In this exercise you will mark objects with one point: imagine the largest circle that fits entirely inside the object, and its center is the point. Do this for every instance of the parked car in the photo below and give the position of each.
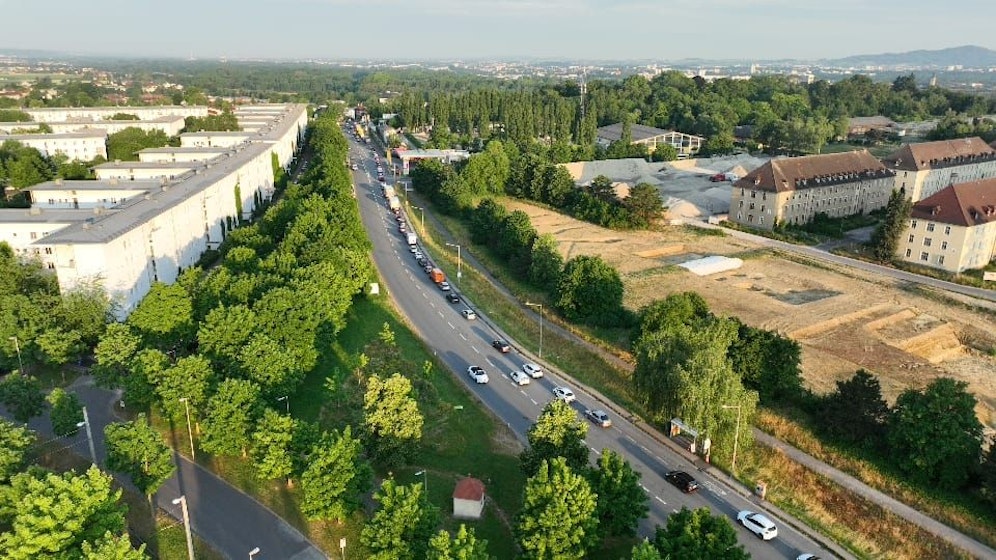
(452, 297)
(519, 378)
(564, 394)
(469, 314)
(500, 345)
(758, 524)
(478, 374)
(422, 261)
(717, 177)
(418, 255)
(598, 417)
(444, 286)
(427, 267)
(682, 480)
(532, 370)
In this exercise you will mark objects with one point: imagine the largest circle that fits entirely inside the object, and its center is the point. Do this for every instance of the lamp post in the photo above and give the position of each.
(190, 433)
(736, 436)
(17, 348)
(421, 217)
(459, 260)
(425, 485)
(342, 547)
(89, 435)
(286, 399)
(182, 501)
(540, 306)
(253, 552)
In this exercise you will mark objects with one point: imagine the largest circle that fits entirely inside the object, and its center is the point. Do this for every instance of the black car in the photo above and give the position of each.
(501, 346)
(452, 298)
(683, 481)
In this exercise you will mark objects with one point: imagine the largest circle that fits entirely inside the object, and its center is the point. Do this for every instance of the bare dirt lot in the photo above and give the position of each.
(844, 320)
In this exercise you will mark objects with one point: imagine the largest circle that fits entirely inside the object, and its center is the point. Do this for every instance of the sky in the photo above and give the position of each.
(664, 30)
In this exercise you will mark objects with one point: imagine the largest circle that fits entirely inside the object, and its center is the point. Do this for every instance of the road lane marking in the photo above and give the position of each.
(488, 360)
(474, 348)
(447, 322)
(645, 489)
(534, 401)
(658, 498)
(441, 315)
(644, 448)
(630, 438)
(462, 336)
(595, 451)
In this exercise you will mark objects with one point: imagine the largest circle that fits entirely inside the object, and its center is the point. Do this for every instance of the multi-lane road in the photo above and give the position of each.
(460, 343)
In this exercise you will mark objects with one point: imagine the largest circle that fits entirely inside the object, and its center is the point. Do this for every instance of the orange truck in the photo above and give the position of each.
(437, 276)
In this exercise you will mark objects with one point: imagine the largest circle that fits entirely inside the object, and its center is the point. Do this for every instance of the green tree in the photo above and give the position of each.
(391, 419)
(191, 379)
(463, 546)
(644, 202)
(225, 331)
(557, 520)
(645, 551)
(622, 503)
(59, 347)
(231, 417)
(987, 471)
(401, 527)
(885, 239)
(23, 396)
(136, 449)
(14, 115)
(48, 515)
(856, 411)
(486, 222)
(165, 316)
(601, 188)
(336, 479)
(556, 433)
(590, 291)
(698, 535)
(146, 367)
(767, 362)
(272, 452)
(110, 547)
(66, 411)
(269, 364)
(546, 263)
(15, 441)
(86, 310)
(114, 353)
(126, 144)
(935, 435)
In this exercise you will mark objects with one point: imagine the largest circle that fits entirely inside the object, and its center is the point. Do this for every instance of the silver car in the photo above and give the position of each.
(758, 524)
(519, 378)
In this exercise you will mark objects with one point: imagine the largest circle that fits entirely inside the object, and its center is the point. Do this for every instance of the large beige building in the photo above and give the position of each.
(794, 190)
(925, 168)
(83, 146)
(954, 229)
(124, 233)
(99, 114)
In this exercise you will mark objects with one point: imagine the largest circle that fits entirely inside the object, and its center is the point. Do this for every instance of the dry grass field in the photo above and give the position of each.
(844, 320)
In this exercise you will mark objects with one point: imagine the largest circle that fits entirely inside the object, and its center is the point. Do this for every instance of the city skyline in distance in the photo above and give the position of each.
(668, 30)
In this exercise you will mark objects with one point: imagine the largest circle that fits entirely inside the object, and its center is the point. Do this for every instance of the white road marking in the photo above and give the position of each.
(462, 336)
(474, 348)
(658, 498)
(425, 296)
(523, 393)
(674, 511)
(713, 488)
(447, 322)
(645, 489)
(534, 401)
(644, 448)
(595, 451)
(630, 438)
(488, 359)
(441, 315)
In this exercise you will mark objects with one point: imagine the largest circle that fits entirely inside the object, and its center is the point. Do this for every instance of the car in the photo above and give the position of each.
(682, 480)
(469, 314)
(355, 167)
(564, 394)
(598, 417)
(519, 378)
(427, 267)
(758, 524)
(478, 374)
(418, 255)
(445, 286)
(532, 370)
(500, 345)
(422, 261)
(807, 557)
(452, 297)
(719, 177)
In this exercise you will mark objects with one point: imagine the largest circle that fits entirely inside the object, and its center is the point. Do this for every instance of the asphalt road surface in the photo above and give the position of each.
(459, 343)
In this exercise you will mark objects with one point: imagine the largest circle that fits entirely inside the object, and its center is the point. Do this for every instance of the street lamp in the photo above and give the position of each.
(540, 306)
(342, 547)
(459, 260)
(89, 435)
(286, 399)
(736, 437)
(253, 552)
(190, 433)
(425, 485)
(421, 216)
(17, 348)
(182, 501)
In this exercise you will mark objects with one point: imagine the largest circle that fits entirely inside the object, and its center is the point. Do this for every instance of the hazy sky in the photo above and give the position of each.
(453, 29)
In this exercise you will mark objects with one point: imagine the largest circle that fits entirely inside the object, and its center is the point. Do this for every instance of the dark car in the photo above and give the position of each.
(422, 261)
(452, 298)
(501, 346)
(683, 481)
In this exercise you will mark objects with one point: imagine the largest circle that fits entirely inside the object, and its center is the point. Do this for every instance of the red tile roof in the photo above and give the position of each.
(469, 489)
(943, 153)
(964, 204)
(787, 174)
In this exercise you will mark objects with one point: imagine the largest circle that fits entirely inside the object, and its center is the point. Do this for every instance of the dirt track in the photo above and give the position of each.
(843, 320)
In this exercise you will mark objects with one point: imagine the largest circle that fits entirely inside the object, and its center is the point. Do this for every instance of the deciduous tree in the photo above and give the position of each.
(22, 395)
(231, 417)
(272, 451)
(136, 449)
(462, 546)
(111, 547)
(590, 291)
(113, 354)
(697, 534)
(856, 411)
(66, 411)
(165, 316)
(401, 527)
(622, 503)
(644, 203)
(557, 520)
(546, 263)
(336, 479)
(15, 441)
(391, 419)
(191, 379)
(556, 433)
(885, 239)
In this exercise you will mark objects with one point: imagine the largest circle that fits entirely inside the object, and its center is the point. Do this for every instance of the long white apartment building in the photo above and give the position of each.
(171, 125)
(178, 154)
(138, 170)
(144, 113)
(83, 146)
(124, 235)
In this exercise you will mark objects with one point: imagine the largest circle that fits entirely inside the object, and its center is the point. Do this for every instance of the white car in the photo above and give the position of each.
(469, 314)
(478, 374)
(519, 378)
(532, 370)
(758, 524)
(444, 286)
(564, 394)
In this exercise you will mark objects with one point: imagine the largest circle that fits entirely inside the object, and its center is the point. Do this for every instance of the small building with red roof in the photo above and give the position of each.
(468, 499)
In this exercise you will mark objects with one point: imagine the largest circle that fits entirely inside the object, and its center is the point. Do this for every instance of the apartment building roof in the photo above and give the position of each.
(96, 185)
(964, 204)
(148, 165)
(186, 150)
(85, 133)
(788, 174)
(939, 154)
(44, 216)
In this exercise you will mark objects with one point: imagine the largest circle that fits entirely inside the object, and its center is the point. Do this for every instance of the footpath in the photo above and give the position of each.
(956, 538)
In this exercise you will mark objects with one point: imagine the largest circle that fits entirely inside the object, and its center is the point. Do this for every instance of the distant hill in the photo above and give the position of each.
(969, 56)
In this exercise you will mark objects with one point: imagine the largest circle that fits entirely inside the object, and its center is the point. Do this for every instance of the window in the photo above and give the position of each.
(908, 253)
(940, 259)
(762, 208)
(911, 238)
(913, 224)
(48, 250)
(741, 204)
(944, 245)
(34, 235)
(760, 219)
(751, 205)
(924, 257)
(753, 194)
(926, 241)
(947, 230)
